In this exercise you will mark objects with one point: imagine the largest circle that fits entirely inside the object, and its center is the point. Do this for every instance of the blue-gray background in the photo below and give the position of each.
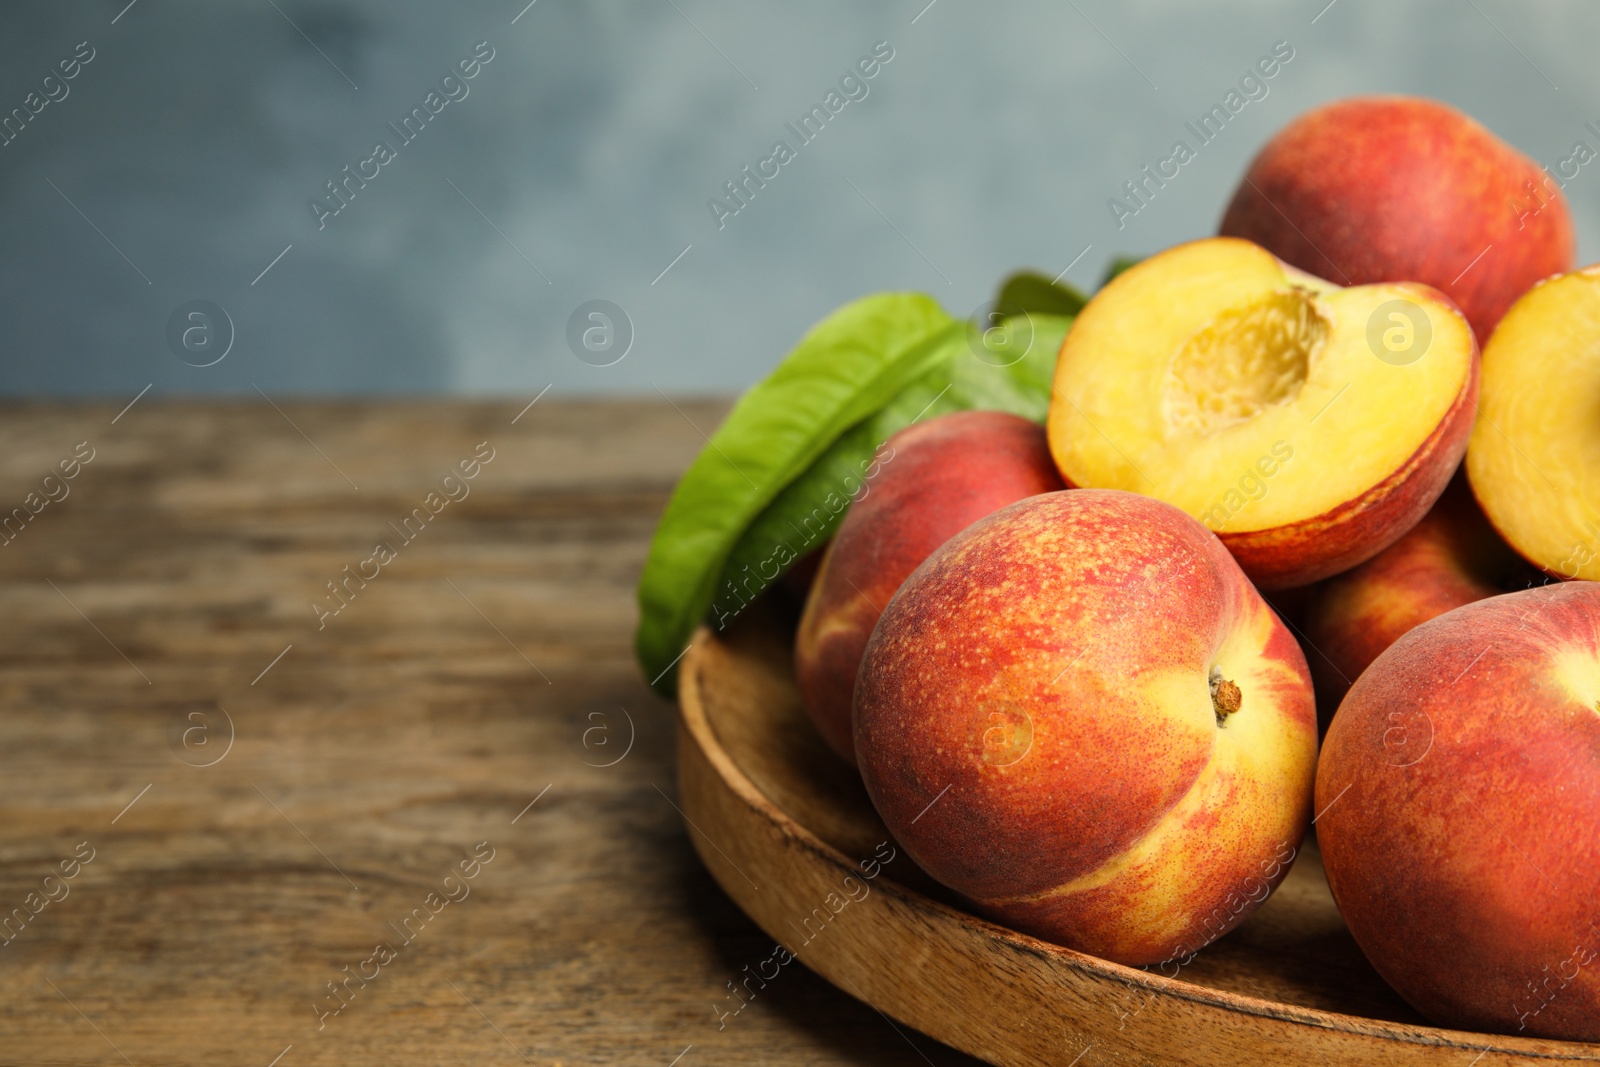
(184, 156)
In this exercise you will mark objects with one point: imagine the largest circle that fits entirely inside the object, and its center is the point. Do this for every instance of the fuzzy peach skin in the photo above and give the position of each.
(939, 477)
(1396, 188)
(1037, 720)
(1459, 793)
(1452, 557)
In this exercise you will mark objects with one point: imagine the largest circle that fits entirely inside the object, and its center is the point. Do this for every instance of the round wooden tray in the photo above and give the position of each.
(785, 827)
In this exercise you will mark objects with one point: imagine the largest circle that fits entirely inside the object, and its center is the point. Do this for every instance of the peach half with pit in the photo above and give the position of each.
(1308, 425)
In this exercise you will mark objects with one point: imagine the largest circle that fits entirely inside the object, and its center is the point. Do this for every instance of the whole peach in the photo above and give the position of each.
(1459, 800)
(934, 479)
(1400, 188)
(1452, 557)
(1080, 714)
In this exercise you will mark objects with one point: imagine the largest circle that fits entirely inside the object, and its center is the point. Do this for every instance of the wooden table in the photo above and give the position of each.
(268, 792)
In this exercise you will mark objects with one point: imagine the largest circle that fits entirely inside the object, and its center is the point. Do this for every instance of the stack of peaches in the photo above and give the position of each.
(1081, 667)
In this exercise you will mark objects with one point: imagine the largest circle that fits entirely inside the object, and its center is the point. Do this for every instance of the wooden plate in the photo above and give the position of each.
(787, 830)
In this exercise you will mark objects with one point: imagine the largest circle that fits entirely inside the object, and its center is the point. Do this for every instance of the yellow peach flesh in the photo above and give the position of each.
(1534, 456)
(1189, 369)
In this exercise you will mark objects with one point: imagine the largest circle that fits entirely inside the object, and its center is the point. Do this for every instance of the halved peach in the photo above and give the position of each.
(1310, 426)
(1534, 459)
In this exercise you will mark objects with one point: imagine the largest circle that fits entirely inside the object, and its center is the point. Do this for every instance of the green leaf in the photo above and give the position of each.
(843, 371)
(1117, 265)
(802, 519)
(1006, 368)
(1011, 367)
(1028, 290)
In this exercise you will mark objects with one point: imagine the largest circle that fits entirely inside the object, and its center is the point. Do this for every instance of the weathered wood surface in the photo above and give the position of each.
(487, 664)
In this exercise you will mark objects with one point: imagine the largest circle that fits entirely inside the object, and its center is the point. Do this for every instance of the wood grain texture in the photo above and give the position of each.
(487, 664)
(785, 829)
